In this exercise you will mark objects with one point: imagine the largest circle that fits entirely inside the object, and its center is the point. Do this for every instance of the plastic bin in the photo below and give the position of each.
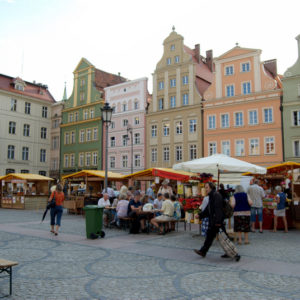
(93, 221)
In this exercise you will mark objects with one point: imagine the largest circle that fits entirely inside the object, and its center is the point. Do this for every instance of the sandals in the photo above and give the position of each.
(55, 233)
(52, 231)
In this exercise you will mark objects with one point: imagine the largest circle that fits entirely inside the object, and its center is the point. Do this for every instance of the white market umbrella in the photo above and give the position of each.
(219, 162)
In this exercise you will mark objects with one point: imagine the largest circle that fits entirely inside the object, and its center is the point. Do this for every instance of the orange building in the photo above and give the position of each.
(242, 116)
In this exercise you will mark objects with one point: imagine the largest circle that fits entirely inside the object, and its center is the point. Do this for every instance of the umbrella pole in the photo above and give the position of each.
(218, 178)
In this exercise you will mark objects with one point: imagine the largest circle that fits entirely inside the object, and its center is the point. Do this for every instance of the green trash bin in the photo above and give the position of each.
(93, 221)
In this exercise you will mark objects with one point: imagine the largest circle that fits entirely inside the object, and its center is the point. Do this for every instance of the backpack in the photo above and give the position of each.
(227, 210)
(177, 211)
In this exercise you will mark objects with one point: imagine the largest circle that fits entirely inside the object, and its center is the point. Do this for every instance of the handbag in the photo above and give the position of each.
(52, 203)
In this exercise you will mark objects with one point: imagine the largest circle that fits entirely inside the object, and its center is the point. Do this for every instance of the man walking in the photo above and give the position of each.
(256, 194)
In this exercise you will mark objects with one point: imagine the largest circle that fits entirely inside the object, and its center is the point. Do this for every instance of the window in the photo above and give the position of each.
(225, 121)
(136, 105)
(178, 153)
(85, 114)
(81, 159)
(13, 104)
(25, 153)
(254, 146)
(81, 96)
(161, 85)
(112, 125)
(176, 59)
(72, 160)
(125, 139)
(172, 82)
(88, 135)
(268, 115)
(24, 171)
(76, 116)
(95, 158)
(112, 162)
(43, 155)
(73, 137)
(55, 124)
(245, 67)
(43, 133)
(212, 148)
(173, 102)
(229, 70)
(70, 117)
(137, 138)
(193, 126)
(154, 131)
(12, 127)
(55, 142)
(92, 113)
(8, 171)
(161, 104)
(11, 152)
(88, 159)
(193, 152)
(95, 134)
(82, 82)
(67, 138)
(296, 147)
(185, 99)
(27, 108)
(112, 141)
(124, 161)
(137, 160)
(125, 123)
(43, 173)
(26, 130)
(238, 118)
(296, 118)
(253, 117)
(269, 145)
(166, 129)
(124, 107)
(153, 154)
(172, 47)
(246, 88)
(185, 80)
(113, 109)
(239, 148)
(178, 127)
(168, 61)
(44, 112)
(166, 154)
(136, 121)
(229, 90)
(212, 122)
(54, 164)
(81, 136)
(225, 147)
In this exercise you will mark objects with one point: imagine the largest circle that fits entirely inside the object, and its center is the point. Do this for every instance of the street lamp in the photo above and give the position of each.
(106, 113)
(129, 130)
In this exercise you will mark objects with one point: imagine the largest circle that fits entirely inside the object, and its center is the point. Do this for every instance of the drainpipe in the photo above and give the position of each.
(282, 128)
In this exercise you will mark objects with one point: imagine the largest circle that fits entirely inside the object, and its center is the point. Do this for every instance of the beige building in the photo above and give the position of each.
(174, 118)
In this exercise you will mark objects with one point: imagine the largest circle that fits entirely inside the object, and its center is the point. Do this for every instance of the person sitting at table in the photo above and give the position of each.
(122, 208)
(165, 188)
(167, 211)
(105, 203)
(135, 212)
(110, 192)
(158, 203)
(280, 209)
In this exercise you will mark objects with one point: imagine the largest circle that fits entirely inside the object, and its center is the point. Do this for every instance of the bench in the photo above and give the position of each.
(6, 267)
(125, 222)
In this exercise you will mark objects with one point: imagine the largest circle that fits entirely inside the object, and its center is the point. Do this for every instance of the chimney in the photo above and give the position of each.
(209, 59)
(298, 40)
(197, 52)
(271, 66)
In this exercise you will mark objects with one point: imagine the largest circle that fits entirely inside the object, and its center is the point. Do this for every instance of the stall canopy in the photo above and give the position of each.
(289, 165)
(25, 176)
(148, 174)
(95, 173)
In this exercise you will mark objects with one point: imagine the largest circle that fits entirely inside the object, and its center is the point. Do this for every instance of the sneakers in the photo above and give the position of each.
(224, 256)
(199, 252)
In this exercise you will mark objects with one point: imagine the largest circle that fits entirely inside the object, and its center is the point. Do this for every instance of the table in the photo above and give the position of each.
(6, 266)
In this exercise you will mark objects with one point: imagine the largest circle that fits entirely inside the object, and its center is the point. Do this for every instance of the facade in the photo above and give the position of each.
(291, 110)
(81, 128)
(242, 116)
(126, 136)
(174, 119)
(25, 121)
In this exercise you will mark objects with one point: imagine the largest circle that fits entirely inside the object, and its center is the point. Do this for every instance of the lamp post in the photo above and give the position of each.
(106, 113)
(129, 130)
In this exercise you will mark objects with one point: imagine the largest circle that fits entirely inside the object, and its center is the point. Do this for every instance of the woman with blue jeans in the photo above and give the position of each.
(57, 210)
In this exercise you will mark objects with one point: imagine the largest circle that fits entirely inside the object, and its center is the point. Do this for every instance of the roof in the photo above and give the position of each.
(33, 90)
(25, 176)
(95, 173)
(104, 79)
(288, 165)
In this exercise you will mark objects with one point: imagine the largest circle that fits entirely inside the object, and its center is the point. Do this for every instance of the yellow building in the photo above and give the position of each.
(174, 118)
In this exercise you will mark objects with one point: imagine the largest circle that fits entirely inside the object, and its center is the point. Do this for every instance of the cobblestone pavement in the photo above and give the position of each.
(123, 266)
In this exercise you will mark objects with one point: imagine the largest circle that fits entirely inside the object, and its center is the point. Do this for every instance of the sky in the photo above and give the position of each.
(44, 40)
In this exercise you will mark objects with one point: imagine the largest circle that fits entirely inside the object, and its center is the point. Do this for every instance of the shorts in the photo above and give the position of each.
(279, 212)
(164, 218)
(256, 211)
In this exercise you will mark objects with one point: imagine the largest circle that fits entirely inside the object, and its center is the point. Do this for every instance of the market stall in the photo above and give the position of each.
(24, 191)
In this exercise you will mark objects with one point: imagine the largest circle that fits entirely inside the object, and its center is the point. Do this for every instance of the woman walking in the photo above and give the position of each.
(242, 211)
(280, 210)
(57, 210)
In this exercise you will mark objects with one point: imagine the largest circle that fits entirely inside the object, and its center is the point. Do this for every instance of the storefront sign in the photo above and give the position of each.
(180, 189)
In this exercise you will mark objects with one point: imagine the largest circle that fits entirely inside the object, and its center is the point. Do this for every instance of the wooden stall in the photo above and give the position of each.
(24, 191)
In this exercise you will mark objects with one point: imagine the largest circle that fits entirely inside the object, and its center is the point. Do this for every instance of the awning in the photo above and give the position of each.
(95, 173)
(25, 176)
(148, 174)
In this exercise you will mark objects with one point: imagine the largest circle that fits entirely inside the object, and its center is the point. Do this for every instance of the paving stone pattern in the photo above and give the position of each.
(123, 266)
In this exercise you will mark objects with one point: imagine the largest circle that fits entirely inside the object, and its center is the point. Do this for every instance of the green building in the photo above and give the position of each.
(81, 127)
(291, 110)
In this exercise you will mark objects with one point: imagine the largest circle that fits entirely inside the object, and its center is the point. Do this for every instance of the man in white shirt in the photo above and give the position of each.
(111, 194)
(105, 203)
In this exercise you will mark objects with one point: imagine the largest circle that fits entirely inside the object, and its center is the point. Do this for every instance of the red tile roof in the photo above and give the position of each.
(104, 79)
(33, 90)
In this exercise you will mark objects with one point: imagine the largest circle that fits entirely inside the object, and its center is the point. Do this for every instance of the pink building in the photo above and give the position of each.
(126, 135)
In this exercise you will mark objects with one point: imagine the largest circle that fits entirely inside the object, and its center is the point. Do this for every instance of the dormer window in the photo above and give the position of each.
(19, 87)
(19, 84)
